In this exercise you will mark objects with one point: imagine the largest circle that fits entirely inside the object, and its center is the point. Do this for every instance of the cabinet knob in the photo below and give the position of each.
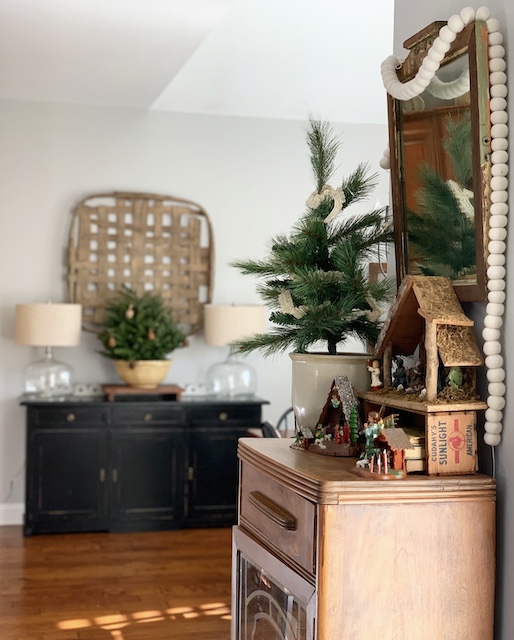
(223, 416)
(147, 417)
(71, 417)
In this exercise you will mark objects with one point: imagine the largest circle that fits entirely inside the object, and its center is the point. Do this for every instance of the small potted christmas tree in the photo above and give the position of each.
(139, 332)
(316, 281)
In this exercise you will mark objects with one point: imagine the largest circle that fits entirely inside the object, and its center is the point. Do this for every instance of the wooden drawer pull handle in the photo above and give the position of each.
(272, 510)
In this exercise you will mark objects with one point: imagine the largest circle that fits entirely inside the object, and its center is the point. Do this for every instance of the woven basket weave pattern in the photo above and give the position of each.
(145, 241)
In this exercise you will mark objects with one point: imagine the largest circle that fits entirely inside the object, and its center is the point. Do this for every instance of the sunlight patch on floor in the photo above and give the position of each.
(116, 622)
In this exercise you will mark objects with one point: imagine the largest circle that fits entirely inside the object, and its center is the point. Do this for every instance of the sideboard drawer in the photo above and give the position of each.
(219, 414)
(149, 414)
(282, 519)
(70, 416)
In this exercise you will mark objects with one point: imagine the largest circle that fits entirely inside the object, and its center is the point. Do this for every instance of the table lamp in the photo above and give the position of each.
(223, 325)
(48, 325)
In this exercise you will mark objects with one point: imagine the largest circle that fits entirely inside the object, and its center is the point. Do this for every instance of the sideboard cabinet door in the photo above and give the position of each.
(66, 480)
(211, 496)
(147, 486)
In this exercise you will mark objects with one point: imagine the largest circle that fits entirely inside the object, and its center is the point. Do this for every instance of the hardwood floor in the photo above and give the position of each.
(123, 586)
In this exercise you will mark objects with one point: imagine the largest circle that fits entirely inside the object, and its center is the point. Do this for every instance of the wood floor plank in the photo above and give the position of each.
(124, 586)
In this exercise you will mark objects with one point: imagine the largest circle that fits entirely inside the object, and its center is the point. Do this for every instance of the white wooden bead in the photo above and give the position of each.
(497, 77)
(423, 82)
(419, 86)
(499, 196)
(499, 117)
(387, 152)
(490, 334)
(498, 221)
(390, 83)
(496, 246)
(391, 76)
(497, 233)
(499, 131)
(495, 309)
(491, 415)
(385, 163)
(496, 259)
(498, 104)
(491, 439)
(497, 64)
(500, 169)
(495, 38)
(496, 296)
(447, 35)
(496, 285)
(436, 56)
(495, 272)
(493, 322)
(499, 208)
(496, 389)
(496, 402)
(440, 46)
(492, 347)
(493, 27)
(427, 74)
(495, 375)
(494, 427)
(483, 13)
(499, 156)
(496, 51)
(498, 91)
(494, 361)
(467, 15)
(431, 65)
(499, 183)
(456, 24)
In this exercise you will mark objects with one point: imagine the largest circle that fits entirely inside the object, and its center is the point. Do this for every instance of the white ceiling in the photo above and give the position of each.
(258, 58)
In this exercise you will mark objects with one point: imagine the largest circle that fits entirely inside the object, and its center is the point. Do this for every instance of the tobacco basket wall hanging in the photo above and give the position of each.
(148, 242)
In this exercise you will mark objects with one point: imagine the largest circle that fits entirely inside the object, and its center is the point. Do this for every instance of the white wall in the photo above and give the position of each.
(251, 176)
(408, 22)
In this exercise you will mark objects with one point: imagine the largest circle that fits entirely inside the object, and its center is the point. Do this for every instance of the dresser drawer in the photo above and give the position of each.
(279, 517)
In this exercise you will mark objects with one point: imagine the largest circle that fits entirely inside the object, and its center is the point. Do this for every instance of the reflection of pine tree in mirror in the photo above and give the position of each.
(441, 233)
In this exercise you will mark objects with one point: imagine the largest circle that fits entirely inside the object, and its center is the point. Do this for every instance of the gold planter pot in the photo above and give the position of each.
(143, 374)
(312, 375)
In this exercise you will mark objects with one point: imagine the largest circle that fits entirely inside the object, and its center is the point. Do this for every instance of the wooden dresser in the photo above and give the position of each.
(320, 552)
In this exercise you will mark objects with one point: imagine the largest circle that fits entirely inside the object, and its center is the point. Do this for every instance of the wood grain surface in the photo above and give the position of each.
(125, 586)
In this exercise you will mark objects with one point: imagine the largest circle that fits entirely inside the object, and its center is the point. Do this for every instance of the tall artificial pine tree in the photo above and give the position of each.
(315, 280)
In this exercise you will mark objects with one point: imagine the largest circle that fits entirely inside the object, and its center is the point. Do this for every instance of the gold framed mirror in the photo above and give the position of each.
(439, 144)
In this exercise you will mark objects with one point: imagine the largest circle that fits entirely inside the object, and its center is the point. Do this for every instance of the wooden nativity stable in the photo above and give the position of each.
(427, 312)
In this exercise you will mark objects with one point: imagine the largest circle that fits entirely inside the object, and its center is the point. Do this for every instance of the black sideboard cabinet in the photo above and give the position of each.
(134, 465)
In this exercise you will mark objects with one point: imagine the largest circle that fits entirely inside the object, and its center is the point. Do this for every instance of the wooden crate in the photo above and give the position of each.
(451, 443)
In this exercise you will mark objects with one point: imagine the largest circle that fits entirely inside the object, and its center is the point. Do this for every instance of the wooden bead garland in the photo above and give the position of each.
(498, 183)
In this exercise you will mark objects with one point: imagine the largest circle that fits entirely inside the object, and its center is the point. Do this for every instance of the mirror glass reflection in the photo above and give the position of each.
(439, 145)
(438, 177)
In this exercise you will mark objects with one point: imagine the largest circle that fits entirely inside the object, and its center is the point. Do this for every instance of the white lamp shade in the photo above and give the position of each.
(48, 324)
(226, 323)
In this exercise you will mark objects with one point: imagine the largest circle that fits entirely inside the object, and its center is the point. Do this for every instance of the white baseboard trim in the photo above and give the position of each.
(11, 513)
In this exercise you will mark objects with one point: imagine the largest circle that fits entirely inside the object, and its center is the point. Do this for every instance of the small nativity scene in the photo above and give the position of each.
(378, 443)
(426, 322)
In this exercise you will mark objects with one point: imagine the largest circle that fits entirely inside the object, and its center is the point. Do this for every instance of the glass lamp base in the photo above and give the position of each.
(48, 379)
(231, 378)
